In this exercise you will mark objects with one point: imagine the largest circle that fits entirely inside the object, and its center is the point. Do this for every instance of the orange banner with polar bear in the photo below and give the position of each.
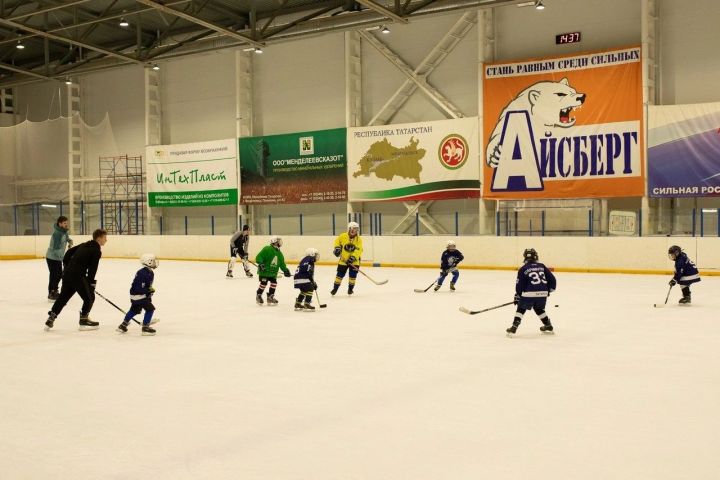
(564, 127)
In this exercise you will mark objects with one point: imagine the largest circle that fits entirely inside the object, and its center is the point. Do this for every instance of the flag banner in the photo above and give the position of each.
(192, 174)
(414, 161)
(564, 127)
(305, 167)
(684, 150)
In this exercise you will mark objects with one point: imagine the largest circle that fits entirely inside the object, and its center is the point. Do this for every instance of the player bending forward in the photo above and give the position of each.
(270, 260)
(534, 284)
(449, 262)
(685, 272)
(239, 243)
(348, 249)
(141, 292)
(305, 280)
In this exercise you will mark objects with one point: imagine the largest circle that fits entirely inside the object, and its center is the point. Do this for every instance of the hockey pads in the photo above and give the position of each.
(672, 283)
(351, 260)
(337, 251)
(516, 299)
(349, 247)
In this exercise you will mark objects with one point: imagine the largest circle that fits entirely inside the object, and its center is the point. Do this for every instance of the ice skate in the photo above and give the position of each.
(50, 321)
(299, 307)
(547, 329)
(229, 274)
(87, 324)
(334, 290)
(511, 331)
(350, 289)
(147, 331)
(258, 299)
(248, 274)
(437, 287)
(122, 328)
(685, 300)
(308, 307)
(452, 286)
(271, 300)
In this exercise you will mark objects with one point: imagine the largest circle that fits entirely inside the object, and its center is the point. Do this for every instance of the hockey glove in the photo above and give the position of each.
(351, 260)
(245, 257)
(337, 251)
(314, 285)
(287, 273)
(234, 251)
(92, 286)
(151, 290)
(672, 283)
(516, 299)
(70, 243)
(261, 267)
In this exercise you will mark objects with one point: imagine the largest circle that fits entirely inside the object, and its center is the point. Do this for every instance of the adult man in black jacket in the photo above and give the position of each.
(81, 264)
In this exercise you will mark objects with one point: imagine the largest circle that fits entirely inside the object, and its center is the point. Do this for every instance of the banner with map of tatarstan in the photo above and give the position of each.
(192, 174)
(414, 161)
(302, 167)
(684, 150)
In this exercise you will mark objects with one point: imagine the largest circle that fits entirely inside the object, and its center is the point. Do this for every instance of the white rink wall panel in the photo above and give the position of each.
(614, 254)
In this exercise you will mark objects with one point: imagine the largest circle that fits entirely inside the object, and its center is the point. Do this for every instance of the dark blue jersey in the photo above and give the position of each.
(305, 271)
(450, 259)
(685, 270)
(141, 284)
(535, 280)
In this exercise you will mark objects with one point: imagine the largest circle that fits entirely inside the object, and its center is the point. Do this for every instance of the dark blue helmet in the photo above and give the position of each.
(530, 255)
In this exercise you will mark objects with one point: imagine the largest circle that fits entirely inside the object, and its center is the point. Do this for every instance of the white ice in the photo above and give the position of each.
(388, 384)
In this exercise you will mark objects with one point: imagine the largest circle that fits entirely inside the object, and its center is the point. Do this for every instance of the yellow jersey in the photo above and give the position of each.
(349, 247)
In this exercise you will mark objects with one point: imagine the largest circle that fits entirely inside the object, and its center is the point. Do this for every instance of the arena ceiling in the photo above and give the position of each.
(57, 39)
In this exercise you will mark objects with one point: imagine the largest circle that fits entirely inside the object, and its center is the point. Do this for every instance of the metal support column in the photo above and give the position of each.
(485, 49)
(243, 119)
(76, 162)
(648, 19)
(353, 90)
(153, 125)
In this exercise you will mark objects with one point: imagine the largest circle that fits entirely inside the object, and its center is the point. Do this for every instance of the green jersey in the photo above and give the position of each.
(270, 260)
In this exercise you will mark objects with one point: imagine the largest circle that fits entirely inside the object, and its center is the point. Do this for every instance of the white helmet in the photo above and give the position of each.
(312, 252)
(352, 225)
(450, 244)
(149, 260)
(276, 241)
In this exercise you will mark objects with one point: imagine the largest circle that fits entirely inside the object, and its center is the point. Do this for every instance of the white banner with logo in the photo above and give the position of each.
(414, 161)
(192, 174)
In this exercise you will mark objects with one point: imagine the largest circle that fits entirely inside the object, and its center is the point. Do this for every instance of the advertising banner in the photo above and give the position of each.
(305, 167)
(192, 174)
(564, 127)
(684, 150)
(414, 161)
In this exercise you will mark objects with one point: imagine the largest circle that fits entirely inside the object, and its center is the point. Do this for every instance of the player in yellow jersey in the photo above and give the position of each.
(348, 249)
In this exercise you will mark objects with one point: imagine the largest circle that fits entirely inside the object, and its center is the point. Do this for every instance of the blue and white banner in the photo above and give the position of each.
(684, 150)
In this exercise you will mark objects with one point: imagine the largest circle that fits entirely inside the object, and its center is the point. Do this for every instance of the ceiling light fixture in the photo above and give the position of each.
(258, 50)
(539, 5)
(19, 45)
(156, 67)
(385, 30)
(68, 81)
(124, 23)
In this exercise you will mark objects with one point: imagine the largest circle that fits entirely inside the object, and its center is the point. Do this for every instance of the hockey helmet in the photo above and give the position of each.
(450, 244)
(149, 260)
(312, 252)
(353, 228)
(530, 255)
(674, 252)
(276, 241)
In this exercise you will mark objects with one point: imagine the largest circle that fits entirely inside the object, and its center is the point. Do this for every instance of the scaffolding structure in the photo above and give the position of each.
(122, 195)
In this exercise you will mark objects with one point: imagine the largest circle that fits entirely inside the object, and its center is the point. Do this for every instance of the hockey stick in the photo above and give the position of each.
(321, 305)
(111, 303)
(420, 290)
(658, 305)
(381, 282)
(475, 312)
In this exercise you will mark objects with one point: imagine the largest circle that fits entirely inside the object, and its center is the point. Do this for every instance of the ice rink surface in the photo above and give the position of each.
(388, 384)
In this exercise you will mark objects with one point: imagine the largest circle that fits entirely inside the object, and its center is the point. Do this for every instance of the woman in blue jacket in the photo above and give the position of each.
(59, 241)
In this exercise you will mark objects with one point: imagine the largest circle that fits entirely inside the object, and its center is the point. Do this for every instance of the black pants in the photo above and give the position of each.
(70, 286)
(55, 267)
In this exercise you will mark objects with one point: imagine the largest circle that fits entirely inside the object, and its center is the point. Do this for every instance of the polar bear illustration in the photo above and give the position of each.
(549, 105)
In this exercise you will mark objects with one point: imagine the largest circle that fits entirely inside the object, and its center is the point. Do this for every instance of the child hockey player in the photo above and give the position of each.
(55, 252)
(269, 261)
(141, 292)
(534, 283)
(305, 280)
(685, 272)
(239, 243)
(348, 249)
(449, 261)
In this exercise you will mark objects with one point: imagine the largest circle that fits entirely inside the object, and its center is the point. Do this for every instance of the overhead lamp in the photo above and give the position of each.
(384, 30)
(258, 50)
(156, 67)
(68, 81)
(124, 23)
(539, 5)
(20, 45)
(47, 205)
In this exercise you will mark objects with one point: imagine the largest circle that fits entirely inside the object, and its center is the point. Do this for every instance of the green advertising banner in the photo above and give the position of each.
(305, 167)
(192, 174)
